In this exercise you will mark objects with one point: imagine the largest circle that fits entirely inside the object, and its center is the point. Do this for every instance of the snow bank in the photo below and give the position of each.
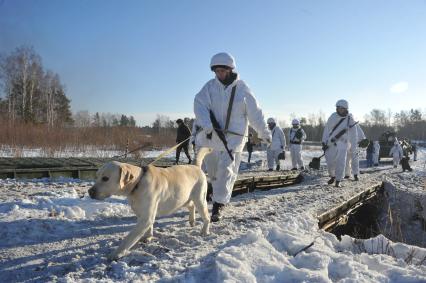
(266, 255)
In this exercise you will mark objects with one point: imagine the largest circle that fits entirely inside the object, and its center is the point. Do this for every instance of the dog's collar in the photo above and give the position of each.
(144, 170)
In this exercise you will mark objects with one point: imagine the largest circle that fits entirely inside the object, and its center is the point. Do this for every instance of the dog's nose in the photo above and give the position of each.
(92, 192)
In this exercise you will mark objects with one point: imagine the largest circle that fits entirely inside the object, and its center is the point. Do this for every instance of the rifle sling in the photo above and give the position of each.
(231, 102)
(337, 125)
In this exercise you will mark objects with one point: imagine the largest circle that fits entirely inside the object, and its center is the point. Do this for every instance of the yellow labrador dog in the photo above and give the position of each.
(153, 191)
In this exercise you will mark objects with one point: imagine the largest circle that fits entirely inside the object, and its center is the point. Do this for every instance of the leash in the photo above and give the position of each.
(168, 151)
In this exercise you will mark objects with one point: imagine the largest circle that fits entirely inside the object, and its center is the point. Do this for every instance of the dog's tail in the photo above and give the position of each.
(202, 152)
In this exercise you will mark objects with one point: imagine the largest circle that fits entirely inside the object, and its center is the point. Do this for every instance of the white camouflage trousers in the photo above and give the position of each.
(375, 158)
(335, 156)
(223, 173)
(272, 156)
(296, 155)
(352, 162)
(396, 159)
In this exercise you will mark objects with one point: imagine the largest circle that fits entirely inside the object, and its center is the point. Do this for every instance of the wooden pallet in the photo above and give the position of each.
(249, 184)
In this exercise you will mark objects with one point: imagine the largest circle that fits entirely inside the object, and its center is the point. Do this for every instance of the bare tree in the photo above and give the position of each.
(82, 119)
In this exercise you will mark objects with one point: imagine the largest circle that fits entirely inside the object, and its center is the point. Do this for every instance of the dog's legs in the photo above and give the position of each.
(191, 208)
(200, 203)
(144, 223)
(148, 235)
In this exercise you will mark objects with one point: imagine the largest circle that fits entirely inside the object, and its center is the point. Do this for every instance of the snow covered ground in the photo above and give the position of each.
(50, 230)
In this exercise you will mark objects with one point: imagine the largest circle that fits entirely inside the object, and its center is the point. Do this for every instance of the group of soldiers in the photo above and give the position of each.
(276, 149)
(224, 108)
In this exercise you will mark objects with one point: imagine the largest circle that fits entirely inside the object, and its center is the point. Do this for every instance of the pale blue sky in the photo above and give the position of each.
(144, 58)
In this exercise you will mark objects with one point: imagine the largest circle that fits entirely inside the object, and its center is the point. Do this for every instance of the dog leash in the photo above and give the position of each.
(168, 151)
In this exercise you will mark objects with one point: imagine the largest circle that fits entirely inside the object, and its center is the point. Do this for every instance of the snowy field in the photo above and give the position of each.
(50, 230)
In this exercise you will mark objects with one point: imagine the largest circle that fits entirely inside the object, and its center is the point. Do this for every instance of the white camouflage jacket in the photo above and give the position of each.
(350, 136)
(214, 96)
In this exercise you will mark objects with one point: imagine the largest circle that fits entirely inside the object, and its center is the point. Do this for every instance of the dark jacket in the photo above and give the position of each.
(183, 133)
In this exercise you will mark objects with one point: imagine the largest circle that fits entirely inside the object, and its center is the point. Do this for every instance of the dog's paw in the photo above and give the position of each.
(205, 232)
(114, 256)
(147, 240)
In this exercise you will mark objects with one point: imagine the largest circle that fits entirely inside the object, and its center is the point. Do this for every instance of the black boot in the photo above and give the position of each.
(356, 178)
(347, 177)
(294, 169)
(216, 212)
(331, 181)
(337, 185)
(278, 168)
(189, 161)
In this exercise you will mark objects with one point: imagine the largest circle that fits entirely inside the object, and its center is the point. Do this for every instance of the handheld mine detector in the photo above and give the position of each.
(315, 163)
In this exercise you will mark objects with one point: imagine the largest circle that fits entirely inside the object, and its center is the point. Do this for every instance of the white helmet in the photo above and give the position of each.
(270, 120)
(222, 59)
(295, 122)
(342, 103)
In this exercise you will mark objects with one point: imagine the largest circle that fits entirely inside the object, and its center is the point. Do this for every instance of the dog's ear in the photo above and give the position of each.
(126, 176)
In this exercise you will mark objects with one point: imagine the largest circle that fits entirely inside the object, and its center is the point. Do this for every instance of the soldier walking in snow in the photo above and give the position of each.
(370, 154)
(296, 137)
(249, 146)
(338, 133)
(414, 146)
(223, 108)
(183, 133)
(352, 159)
(277, 146)
(396, 152)
(376, 153)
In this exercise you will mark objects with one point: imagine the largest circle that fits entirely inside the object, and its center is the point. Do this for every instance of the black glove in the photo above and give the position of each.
(324, 147)
(209, 135)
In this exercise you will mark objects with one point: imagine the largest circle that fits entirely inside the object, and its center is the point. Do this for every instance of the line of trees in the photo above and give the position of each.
(32, 94)
(84, 119)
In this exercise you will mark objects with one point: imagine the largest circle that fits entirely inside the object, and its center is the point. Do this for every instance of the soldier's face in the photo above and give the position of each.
(342, 111)
(222, 73)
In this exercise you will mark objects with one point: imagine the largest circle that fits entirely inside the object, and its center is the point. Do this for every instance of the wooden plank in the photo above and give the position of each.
(332, 217)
